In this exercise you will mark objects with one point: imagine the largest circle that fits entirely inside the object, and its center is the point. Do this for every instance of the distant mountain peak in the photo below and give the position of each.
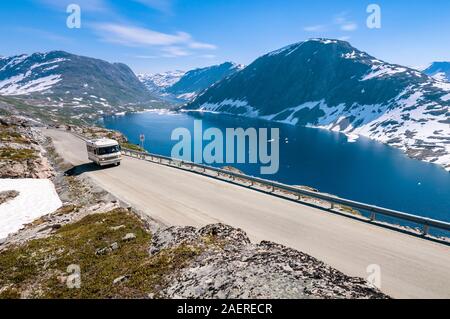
(158, 82)
(312, 41)
(439, 71)
(179, 86)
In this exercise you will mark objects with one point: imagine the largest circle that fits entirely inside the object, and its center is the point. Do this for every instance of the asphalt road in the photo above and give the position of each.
(410, 267)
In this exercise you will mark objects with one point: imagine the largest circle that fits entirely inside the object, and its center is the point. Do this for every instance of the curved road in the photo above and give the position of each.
(411, 267)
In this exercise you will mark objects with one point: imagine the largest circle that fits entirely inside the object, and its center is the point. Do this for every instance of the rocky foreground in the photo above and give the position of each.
(123, 254)
(230, 266)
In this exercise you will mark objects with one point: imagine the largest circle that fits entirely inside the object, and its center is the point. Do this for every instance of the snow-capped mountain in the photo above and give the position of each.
(73, 84)
(158, 82)
(195, 81)
(68, 75)
(439, 70)
(330, 84)
(180, 87)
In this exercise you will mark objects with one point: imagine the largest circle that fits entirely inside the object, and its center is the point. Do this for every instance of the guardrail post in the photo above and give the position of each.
(332, 205)
(426, 229)
(373, 216)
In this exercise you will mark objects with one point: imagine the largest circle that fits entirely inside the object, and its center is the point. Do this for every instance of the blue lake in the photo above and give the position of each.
(365, 170)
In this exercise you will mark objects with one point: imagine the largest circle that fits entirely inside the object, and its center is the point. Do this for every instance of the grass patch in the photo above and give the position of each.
(64, 210)
(17, 155)
(7, 136)
(39, 267)
(350, 210)
(132, 147)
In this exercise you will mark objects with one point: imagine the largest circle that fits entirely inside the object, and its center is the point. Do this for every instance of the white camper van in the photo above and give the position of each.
(104, 151)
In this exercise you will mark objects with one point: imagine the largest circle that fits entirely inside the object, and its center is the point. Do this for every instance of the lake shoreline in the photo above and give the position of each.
(351, 137)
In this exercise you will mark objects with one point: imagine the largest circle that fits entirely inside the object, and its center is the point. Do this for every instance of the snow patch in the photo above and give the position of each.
(446, 98)
(15, 85)
(37, 197)
(383, 70)
(15, 61)
(228, 106)
(187, 96)
(324, 41)
(440, 76)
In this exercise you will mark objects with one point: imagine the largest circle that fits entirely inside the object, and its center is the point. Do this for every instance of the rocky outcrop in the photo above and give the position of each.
(230, 266)
(92, 132)
(21, 153)
(7, 196)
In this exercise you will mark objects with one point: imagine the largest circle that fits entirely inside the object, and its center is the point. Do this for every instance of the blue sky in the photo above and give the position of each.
(159, 35)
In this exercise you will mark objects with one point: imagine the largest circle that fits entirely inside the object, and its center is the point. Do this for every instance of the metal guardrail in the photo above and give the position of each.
(426, 223)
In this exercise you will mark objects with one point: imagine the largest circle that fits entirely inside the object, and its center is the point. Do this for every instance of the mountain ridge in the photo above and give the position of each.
(180, 86)
(78, 86)
(158, 82)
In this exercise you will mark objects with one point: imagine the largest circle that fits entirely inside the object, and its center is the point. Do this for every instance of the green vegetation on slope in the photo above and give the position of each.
(16, 155)
(38, 268)
(9, 136)
(132, 146)
(38, 112)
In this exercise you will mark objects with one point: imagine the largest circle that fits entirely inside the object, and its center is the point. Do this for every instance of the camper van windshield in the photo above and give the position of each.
(108, 150)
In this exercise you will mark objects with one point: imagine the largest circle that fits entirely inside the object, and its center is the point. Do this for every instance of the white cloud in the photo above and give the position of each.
(345, 38)
(207, 56)
(344, 23)
(199, 45)
(315, 28)
(339, 21)
(136, 36)
(173, 52)
(350, 26)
